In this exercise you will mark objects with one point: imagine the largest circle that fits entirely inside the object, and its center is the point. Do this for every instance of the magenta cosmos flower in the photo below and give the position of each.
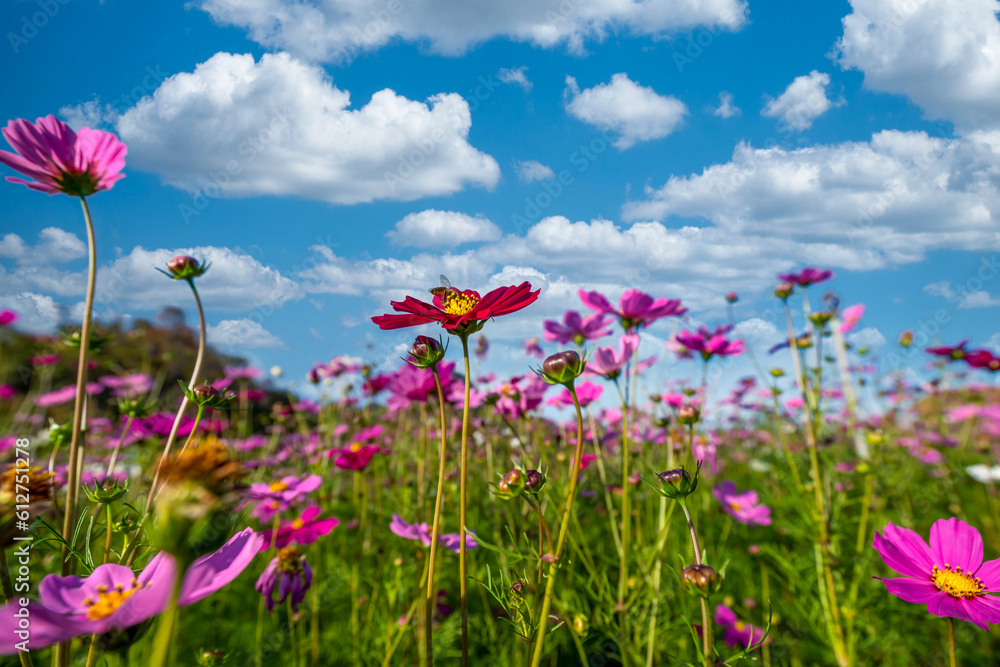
(279, 496)
(744, 507)
(304, 530)
(8, 317)
(460, 312)
(575, 329)
(636, 309)
(850, 317)
(61, 160)
(288, 573)
(953, 352)
(353, 457)
(807, 276)
(114, 598)
(983, 359)
(949, 576)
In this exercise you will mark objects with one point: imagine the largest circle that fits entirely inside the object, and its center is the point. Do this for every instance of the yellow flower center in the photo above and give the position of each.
(298, 524)
(735, 507)
(278, 486)
(458, 303)
(956, 583)
(109, 600)
(355, 447)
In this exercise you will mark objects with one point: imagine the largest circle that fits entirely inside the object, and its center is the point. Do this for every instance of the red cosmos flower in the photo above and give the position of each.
(460, 312)
(354, 457)
(953, 352)
(983, 359)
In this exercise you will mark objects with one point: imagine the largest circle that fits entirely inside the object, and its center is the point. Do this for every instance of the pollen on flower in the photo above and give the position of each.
(355, 447)
(459, 303)
(956, 583)
(108, 601)
(277, 487)
(290, 560)
(736, 507)
(298, 524)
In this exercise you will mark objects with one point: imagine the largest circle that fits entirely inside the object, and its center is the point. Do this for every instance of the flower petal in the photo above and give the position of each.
(911, 590)
(947, 606)
(904, 551)
(956, 543)
(989, 573)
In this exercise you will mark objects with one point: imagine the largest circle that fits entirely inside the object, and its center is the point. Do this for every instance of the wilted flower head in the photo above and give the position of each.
(61, 160)
(288, 573)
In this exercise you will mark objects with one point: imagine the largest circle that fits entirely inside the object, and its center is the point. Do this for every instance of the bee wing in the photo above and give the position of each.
(444, 281)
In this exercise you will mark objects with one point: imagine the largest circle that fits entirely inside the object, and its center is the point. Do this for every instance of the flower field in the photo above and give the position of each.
(167, 505)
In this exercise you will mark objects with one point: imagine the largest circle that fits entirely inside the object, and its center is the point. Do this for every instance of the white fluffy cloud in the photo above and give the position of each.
(857, 205)
(335, 31)
(442, 229)
(942, 54)
(242, 334)
(963, 296)
(38, 313)
(532, 170)
(868, 337)
(239, 128)
(726, 108)
(234, 282)
(635, 112)
(55, 246)
(802, 102)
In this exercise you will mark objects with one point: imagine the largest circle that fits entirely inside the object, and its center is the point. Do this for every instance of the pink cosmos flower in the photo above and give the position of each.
(586, 393)
(113, 597)
(532, 348)
(8, 317)
(807, 276)
(953, 352)
(66, 394)
(983, 359)
(304, 530)
(608, 362)
(422, 532)
(575, 329)
(242, 372)
(737, 634)
(7, 392)
(61, 160)
(289, 574)
(744, 507)
(710, 343)
(636, 309)
(279, 496)
(459, 311)
(949, 576)
(850, 317)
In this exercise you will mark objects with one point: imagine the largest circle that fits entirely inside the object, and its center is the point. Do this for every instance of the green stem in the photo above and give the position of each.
(543, 618)
(435, 527)
(76, 441)
(291, 633)
(194, 429)
(463, 589)
(184, 403)
(951, 643)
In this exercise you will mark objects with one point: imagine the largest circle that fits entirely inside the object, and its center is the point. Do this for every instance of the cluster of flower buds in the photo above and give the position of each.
(426, 352)
(519, 481)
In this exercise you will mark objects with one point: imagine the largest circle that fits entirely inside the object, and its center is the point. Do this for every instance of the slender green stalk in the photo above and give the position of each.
(184, 403)
(194, 428)
(8, 594)
(951, 643)
(435, 527)
(291, 633)
(661, 524)
(543, 618)
(463, 583)
(707, 631)
(76, 440)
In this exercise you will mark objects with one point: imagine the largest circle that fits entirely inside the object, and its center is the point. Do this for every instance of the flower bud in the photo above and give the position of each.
(701, 580)
(426, 352)
(534, 481)
(731, 297)
(562, 368)
(212, 658)
(906, 338)
(580, 624)
(820, 318)
(688, 414)
(678, 483)
(511, 485)
(783, 291)
(106, 493)
(204, 393)
(184, 267)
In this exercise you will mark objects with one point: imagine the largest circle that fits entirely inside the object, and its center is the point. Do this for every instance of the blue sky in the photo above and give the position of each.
(328, 158)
